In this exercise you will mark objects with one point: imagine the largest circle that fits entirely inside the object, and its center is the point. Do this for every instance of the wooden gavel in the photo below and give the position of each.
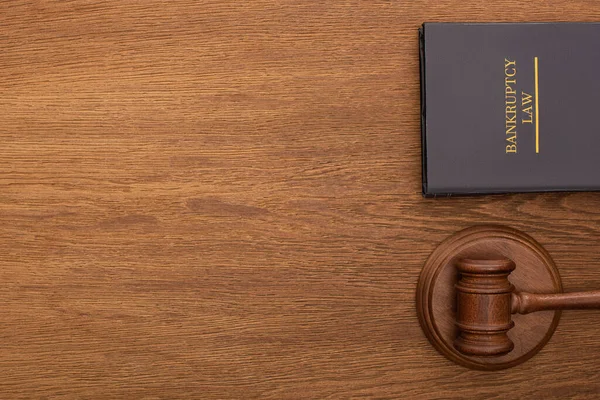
(486, 300)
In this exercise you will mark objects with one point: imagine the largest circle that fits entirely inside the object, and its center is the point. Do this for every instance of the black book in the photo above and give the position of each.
(510, 107)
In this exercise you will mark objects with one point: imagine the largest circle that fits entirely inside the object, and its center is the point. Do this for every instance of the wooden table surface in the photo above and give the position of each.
(221, 199)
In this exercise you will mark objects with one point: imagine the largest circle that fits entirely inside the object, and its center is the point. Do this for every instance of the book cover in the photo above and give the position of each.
(510, 107)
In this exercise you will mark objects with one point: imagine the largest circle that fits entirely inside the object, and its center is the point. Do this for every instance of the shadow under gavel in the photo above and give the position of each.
(486, 300)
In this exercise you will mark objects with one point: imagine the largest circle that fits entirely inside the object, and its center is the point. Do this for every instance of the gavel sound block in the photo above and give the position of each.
(469, 306)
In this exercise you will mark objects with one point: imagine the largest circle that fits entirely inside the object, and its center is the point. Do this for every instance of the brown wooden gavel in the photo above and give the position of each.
(486, 299)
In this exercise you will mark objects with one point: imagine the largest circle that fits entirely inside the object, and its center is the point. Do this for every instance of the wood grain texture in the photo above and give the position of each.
(221, 199)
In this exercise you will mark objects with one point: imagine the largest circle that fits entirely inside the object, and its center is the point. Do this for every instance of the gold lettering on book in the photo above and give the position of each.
(510, 100)
(527, 104)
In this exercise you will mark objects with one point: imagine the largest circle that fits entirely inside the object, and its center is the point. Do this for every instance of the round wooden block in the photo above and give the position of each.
(535, 273)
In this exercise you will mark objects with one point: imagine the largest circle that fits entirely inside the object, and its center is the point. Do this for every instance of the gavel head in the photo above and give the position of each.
(483, 317)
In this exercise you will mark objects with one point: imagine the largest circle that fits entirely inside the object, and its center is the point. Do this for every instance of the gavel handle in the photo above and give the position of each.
(525, 303)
